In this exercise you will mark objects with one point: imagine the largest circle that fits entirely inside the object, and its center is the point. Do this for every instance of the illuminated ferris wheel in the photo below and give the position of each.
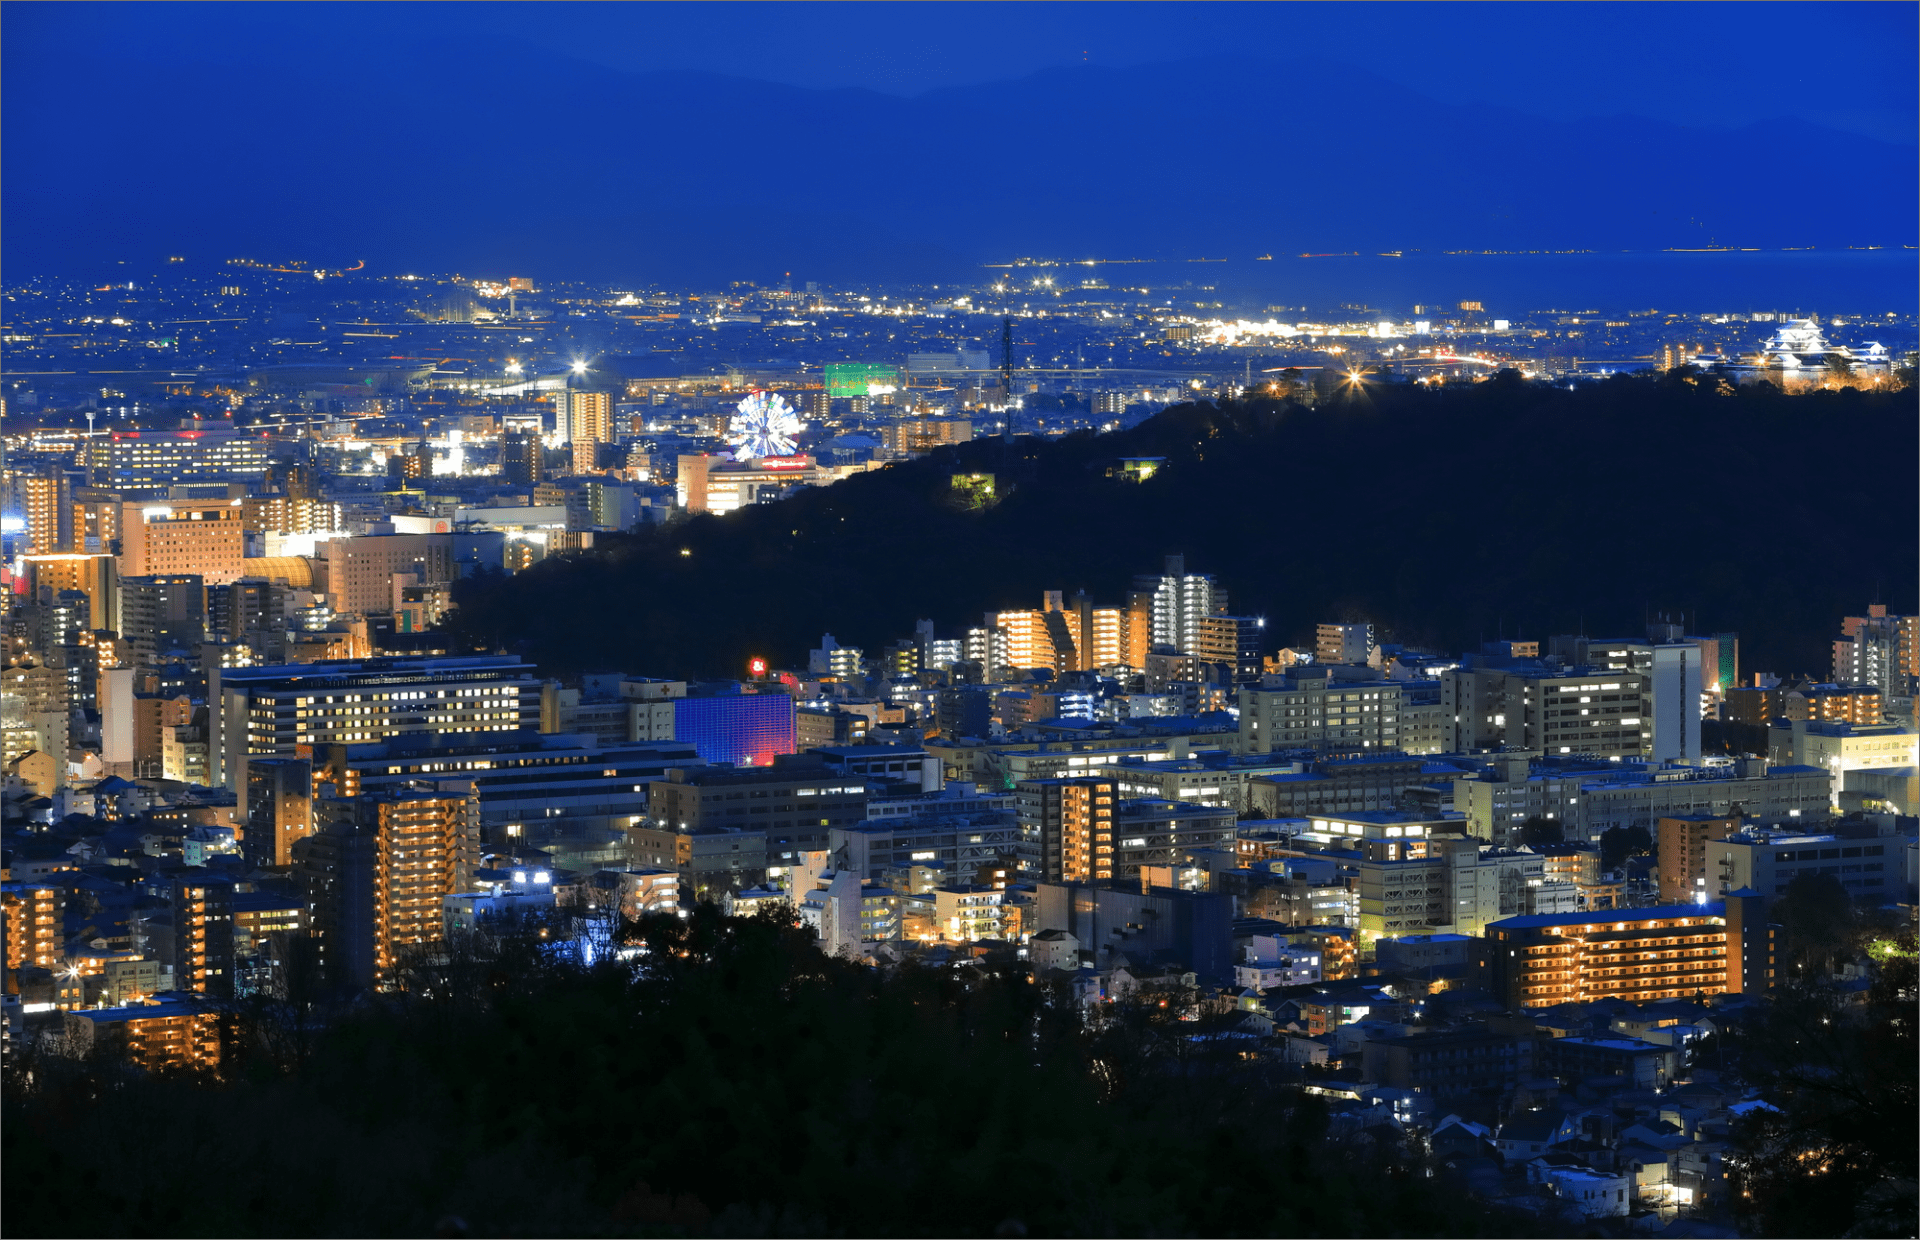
(764, 425)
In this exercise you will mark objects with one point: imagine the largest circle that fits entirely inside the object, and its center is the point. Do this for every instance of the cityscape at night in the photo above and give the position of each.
(695, 619)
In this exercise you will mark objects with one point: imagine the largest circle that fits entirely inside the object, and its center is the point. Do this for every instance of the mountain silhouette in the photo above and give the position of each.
(476, 155)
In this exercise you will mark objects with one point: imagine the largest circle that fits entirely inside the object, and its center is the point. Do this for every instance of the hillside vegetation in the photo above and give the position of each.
(1446, 516)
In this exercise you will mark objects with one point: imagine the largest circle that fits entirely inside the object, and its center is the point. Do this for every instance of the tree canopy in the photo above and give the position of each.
(1441, 515)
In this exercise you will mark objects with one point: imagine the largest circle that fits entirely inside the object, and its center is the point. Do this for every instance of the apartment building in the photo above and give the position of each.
(1637, 955)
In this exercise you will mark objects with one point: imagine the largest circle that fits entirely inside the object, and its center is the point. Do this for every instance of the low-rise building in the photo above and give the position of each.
(1769, 861)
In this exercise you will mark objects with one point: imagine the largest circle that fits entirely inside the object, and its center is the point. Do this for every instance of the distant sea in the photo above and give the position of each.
(1822, 281)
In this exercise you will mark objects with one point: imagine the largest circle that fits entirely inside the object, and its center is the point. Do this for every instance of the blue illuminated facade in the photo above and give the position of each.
(746, 729)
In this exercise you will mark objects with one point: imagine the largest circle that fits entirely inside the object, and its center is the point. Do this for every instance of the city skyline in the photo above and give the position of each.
(983, 619)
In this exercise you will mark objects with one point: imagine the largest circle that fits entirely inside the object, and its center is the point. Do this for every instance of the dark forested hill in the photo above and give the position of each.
(1446, 516)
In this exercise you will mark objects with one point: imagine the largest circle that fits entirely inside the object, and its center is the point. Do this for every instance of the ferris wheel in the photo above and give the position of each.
(764, 424)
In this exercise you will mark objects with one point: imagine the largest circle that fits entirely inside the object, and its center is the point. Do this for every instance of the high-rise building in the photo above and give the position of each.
(522, 458)
(589, 424)
(45, 503)
(1878, 649)
(160, 614)
(203, 537)
(202, 907)
(377, 874)
(34, 717)
(1673, 701)
(1176, 602)
(153, 460)
(35, 917)
(360, 570)
(272, 711)
(1069, 823)
(96, 576)
(279, 809)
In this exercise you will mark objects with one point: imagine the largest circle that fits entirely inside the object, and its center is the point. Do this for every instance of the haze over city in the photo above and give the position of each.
(1015, 619)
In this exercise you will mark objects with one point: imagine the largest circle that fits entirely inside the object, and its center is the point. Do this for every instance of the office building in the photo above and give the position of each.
(1642, 955)
(360, 570)
(1768, 862)
(1840, 750)
(1313, 707)
(271, 711)
(1347, 783)
(154, 460)
(204, 538)
(1580, 711)
(1219, 780)
(746, 729)
(963, 835)
(722, 828)
(1158, 833)
(543, 790)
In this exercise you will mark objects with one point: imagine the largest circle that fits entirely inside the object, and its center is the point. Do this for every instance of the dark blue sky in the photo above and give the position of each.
(1850, 66)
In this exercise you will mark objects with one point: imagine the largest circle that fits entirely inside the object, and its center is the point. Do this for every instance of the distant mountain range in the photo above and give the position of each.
(482, 157)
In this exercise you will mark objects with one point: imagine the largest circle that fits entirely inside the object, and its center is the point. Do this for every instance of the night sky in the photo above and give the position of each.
(878, 140)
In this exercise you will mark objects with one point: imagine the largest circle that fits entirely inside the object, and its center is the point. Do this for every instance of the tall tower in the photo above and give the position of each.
(1176, 603)
(589, 424)
(1006, 371)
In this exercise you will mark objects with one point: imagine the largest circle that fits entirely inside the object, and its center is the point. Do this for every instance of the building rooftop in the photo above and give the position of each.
(1664, 912)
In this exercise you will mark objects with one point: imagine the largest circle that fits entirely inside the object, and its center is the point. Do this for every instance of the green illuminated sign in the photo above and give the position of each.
(846, 380)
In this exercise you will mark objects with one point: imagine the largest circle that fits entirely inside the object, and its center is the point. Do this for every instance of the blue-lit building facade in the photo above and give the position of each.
(746, 729)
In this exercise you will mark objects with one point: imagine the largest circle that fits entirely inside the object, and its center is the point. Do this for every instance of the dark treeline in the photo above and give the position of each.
(1446, 516)
(740, 1083)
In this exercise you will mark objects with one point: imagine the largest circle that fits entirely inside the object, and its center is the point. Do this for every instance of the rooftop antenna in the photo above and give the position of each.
(1006, 371)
